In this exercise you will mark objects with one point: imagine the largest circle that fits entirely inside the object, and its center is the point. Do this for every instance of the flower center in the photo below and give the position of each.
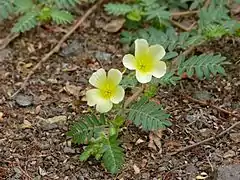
(107, 90)
(144, 63)
(107, 94)
(142, 67)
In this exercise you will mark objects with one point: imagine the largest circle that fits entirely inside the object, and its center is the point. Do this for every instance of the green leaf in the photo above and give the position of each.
(118, 9)
(113, 157)
(23, 5)
(134, 15)
(206, 72)
(203, 66)
(95, 148)
(151, 90)
(126, 37)
(183, 37)
(129, 81)
(169, 79)
(86, 153)
(118, 121)
(169, 39)
(214, 14)
(66, 4)
(215, 31)
(220, 70)
(170, 55)
(160, 13)
(45, 14)
(148, 3)
(149, 115)
(6, 8)
(194, 40)
(61, 16)
(26, 22)
(113, 131)
(86, 128)
(107, 148)
(196, 4)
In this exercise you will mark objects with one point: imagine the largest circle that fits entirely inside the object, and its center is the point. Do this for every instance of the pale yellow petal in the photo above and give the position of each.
(160, 68)
(141, 47)
(104, 106)
(93, 97)
(143, 77)
(129, 62)
(98, 78)
(115, 76)
(118, 95)
(157, 52)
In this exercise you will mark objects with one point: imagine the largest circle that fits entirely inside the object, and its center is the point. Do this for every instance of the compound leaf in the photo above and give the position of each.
(113, 157)
(149, 115)
(86, 128)
(61, 16)
(26, 22)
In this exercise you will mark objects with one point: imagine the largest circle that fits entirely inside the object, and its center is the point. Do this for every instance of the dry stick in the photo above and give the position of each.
(184, 13)
(179, 25)
(207, 3)
(185, 53)
(206, 140)
(133, 97)
(214, 106)
(57, 47)
(25, 173)
(8, 39)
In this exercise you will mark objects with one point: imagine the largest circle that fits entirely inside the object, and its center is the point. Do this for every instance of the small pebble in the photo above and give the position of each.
(72, 49)
(68, 150)
(103, 56)
(24, 100)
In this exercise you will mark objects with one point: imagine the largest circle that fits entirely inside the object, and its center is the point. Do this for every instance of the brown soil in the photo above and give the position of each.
(33, 149)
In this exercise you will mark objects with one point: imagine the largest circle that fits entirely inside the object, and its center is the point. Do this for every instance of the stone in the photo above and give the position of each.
(24, 100)
(103, 56)
(235, 137)
(74, 48)
(229, 154)
(230, 172)
(68, 150)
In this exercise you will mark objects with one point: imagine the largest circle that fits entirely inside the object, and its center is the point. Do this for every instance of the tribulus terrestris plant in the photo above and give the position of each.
(159, 60)
(100, 133)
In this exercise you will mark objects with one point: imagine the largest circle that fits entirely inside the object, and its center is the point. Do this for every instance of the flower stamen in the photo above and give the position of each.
(106, 93)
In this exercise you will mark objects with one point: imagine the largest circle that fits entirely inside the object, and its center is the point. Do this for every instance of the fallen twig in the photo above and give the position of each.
(8, 39)
(133, 97)
(174, 169)
(57, 47)
(207, 3)
(185, 53)
(181, 26)
(25, 173)
(205, 140)
(204, 103)
(184, 13)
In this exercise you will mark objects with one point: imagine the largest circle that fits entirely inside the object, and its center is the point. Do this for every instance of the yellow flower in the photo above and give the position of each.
(146, 61)
(107, 90)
